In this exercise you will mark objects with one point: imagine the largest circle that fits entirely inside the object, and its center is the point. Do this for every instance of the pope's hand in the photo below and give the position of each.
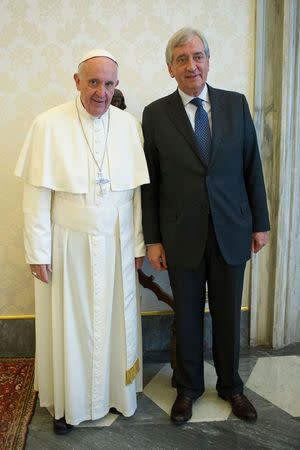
(157, 257)
(139, 262)
(40, 271)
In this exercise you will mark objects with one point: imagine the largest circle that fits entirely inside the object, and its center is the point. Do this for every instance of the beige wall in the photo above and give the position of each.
(40, 42)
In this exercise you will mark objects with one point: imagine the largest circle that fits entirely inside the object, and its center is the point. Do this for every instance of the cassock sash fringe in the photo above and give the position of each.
(132, 372)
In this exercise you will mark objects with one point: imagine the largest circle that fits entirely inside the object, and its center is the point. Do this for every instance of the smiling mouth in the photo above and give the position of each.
(193, 77)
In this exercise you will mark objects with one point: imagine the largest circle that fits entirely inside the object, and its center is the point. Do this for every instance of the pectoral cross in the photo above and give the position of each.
(101, 180)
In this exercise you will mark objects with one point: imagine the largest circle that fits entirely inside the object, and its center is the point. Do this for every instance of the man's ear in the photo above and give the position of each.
(77, 81)
(117, 83)
(170, 71)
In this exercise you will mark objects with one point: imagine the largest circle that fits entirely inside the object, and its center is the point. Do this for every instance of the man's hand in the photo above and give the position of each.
(157, 257)
(40, 271)
(139, 262)
(259, 240)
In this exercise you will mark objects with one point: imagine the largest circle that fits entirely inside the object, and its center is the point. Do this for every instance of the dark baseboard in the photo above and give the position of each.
(157, 336)
(17, 336)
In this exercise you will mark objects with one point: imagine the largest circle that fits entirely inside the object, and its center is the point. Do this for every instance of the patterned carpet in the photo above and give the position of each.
(17, 401)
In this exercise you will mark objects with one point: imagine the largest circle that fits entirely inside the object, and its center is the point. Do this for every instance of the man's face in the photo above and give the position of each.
(190, 67)
(96, 82)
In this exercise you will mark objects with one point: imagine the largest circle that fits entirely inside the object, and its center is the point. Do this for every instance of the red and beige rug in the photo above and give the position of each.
(17, 401)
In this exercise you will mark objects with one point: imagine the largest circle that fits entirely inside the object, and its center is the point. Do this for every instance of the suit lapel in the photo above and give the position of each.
(181, 121)
(217, 115)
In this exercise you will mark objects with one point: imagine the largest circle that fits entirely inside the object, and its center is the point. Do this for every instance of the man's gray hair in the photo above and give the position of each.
(182, 37)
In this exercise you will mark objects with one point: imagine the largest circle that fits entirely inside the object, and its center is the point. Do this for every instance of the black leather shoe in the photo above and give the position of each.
(241, 406)
(60, 426)
(182, 409)
(114, 410)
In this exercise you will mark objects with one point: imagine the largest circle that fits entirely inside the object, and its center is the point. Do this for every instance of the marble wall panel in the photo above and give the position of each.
(275, 287)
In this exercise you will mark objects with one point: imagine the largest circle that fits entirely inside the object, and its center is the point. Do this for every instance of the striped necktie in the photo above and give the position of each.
(202, 131)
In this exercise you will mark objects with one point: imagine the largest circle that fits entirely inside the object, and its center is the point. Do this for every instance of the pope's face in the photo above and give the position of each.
(96, 82)
(190, 67)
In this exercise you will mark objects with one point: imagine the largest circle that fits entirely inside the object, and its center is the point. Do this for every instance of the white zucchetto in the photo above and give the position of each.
(95, 53)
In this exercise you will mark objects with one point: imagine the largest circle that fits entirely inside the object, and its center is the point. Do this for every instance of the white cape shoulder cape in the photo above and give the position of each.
(55, 153)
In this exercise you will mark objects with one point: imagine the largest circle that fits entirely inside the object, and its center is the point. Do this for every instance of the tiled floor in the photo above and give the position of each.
(272, 383)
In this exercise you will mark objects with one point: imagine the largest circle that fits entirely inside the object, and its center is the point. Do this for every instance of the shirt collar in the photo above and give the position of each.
(187, 98)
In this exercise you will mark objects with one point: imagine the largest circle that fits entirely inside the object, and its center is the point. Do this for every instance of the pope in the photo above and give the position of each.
(83, 164)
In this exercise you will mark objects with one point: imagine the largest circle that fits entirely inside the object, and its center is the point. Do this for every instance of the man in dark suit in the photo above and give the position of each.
(203, 213)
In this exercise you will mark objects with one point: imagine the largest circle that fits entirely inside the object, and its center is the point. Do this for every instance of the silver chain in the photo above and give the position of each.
(86, 139)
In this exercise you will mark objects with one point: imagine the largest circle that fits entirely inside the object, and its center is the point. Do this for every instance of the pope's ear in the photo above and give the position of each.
(170, 71)
(77, 81)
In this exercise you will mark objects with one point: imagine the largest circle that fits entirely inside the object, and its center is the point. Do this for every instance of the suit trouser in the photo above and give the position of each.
(225, 286)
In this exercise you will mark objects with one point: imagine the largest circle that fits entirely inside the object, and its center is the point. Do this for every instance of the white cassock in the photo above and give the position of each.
(88, 330)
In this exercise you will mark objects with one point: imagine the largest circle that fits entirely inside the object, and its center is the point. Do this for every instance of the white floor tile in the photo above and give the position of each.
(209, 407)
(104, 422)
(277, 379)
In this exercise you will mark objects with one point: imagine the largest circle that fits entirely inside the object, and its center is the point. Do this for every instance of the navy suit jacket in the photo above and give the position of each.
(183, 191)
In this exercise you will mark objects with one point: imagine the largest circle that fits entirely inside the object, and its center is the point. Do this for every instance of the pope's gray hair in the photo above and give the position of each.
(182, 37)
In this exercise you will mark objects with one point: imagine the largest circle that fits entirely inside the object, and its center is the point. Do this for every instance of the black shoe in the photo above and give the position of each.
(114, 410)
(60, 426)
(182, 409)
(241, 406)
